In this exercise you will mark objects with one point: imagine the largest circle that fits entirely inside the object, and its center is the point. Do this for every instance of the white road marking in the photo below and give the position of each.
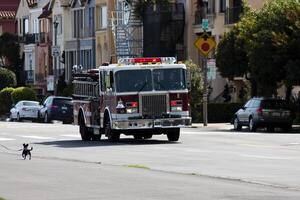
(268, 157)
(6, 139)
(190, 133)
(72, 135)
(36, 137)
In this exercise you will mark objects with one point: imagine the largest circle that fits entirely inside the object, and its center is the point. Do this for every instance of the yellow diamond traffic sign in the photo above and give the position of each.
(205, 44)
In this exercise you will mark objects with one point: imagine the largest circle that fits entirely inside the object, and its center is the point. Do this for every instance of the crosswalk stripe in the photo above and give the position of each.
(71, 135)
(6, 139)
(36, 137)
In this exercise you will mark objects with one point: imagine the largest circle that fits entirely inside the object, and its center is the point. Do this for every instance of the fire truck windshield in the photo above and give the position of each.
(169, 79)
(133, 80)
(143, 80)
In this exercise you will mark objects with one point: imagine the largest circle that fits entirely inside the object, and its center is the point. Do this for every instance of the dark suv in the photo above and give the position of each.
(264, 112)
(57, 108)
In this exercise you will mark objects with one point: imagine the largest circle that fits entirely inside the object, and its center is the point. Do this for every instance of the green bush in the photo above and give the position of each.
(6, 100)
(7, 78)
(217, 112)
(23, 93)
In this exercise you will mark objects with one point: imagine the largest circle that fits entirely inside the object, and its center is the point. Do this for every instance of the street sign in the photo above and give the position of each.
(205, 44)
(55, 51)
(205, 24)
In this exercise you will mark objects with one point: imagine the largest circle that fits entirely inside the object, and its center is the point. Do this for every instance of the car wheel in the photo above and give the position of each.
(252, 126)
(147, 136)
(18, 117)
(46, 118)
(84, 132)
(11, 117)
(111, 135)
(236, 124)
(287, 128)
(173, 134)
(270, 129)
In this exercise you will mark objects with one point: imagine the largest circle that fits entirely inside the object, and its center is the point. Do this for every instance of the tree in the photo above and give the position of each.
(7, 78)
(10, 53)
(264, 44)
(196, 87)
(5, 99)
(23, 93)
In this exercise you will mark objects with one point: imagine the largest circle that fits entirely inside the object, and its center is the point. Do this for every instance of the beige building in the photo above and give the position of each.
(105, 48)
(222, 15)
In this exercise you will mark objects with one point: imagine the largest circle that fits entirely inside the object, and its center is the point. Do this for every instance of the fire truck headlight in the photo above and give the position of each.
(132, 107)
(120, 107)
(176, 106)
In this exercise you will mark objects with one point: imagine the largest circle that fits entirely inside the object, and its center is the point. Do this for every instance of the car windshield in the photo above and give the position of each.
(62, 101)
(169, 79)
(133, 80)
(274, 104)
(30, 103)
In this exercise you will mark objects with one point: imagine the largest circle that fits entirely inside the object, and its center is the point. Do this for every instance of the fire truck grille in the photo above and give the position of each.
(154, 105)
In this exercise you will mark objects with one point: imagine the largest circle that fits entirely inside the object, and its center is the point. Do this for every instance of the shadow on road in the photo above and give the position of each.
(102, 143)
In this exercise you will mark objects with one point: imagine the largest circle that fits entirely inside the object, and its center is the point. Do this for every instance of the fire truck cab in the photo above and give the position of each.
(137, 96)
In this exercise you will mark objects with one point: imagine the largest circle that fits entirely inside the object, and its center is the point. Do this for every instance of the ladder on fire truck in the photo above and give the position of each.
(127, 30)
(86, 86)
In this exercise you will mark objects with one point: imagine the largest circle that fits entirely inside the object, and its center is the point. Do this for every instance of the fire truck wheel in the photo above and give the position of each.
(84, 132)
(173, 134)
(111, 135)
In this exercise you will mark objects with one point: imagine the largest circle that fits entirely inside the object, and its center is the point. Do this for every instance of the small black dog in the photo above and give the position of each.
(26, 151)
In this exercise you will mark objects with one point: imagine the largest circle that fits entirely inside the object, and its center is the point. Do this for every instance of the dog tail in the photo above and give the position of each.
(31, 148)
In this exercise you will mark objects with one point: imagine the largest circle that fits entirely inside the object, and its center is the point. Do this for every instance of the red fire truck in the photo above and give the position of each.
(136, 96)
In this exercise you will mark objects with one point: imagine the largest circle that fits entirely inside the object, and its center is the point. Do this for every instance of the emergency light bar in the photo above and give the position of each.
(151, 60)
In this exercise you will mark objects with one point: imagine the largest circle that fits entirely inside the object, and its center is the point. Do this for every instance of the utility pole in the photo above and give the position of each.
(55, 23)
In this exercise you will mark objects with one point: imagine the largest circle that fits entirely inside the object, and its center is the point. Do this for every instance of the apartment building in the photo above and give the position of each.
(79, 45)
(222, 15)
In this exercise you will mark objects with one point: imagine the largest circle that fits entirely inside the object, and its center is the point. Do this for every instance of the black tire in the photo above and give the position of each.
(287, 128)
(46, 118)
(84, 132)
(236, 124)
(111, 134)
(270, 129)
(96, 137)
(173, 134)
(252, 125)
(11, 119)
(19, 119)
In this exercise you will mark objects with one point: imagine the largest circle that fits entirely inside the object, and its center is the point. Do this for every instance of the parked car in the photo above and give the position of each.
(57, 108)
(264, 112)
(25, 110)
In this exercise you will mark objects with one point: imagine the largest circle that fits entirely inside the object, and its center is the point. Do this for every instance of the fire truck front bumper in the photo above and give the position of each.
(152, 123)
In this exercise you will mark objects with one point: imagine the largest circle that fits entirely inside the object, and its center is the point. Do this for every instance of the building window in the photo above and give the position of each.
(211, 7)
(77, 20)
(222, 6)
(25, 26)
(102, 17)
(91, 21)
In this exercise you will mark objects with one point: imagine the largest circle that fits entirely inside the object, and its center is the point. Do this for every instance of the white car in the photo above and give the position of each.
(25, 110)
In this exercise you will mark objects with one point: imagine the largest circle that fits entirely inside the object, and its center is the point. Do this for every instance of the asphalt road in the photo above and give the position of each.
(211, 162)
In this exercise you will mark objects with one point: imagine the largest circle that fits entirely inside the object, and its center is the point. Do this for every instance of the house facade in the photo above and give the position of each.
(8, 10)
(222, 15)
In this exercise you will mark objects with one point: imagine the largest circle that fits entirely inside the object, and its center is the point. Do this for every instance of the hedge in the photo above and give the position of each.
(217, 112)
(6, 100)
(7, 78)
(23, 93)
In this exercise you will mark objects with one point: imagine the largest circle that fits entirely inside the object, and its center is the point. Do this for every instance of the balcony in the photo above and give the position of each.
(30, 38)
(43, 38)
(232, 15)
